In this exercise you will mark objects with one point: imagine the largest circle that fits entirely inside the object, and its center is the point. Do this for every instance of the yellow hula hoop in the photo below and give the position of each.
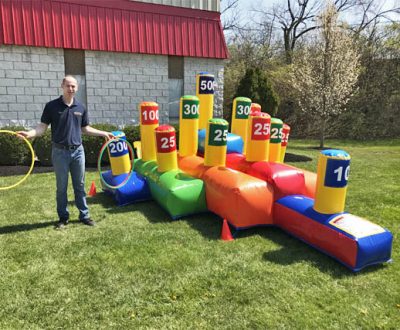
(33, 159)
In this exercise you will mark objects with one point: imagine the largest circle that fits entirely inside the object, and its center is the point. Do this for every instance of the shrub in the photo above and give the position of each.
(132, 133)
(13, 150)
(42, 146)
(93, 144)
(176, 126)
(256, 85)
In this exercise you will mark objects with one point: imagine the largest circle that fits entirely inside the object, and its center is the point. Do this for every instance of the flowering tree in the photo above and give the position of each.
(325, 73)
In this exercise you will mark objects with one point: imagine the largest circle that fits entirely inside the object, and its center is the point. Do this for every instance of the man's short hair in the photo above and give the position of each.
(68, 77)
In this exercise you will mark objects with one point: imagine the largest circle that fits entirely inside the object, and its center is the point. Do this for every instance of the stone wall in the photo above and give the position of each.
(115, 83)
(29, 78)
(214, 66)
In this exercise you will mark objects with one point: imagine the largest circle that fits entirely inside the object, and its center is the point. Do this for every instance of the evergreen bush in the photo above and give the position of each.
(132, 133)
(256, 86)
(13, 150)
(42, 146)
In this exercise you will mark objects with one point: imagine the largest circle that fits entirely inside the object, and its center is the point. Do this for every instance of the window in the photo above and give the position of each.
(175, 86)
(74, 65)
(175, 67)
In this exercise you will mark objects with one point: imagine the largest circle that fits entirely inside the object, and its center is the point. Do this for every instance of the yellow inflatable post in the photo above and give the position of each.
(148, 122)
(275, 141)
(137, 145)
(119, 154)
(285, 139)
(240, 114)
(216, 142)
(258, 135)
(332, 175)
(167, 158)
(205, 93)
(188, 125)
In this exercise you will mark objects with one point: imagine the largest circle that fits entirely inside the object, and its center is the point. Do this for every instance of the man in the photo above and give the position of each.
(68, 119)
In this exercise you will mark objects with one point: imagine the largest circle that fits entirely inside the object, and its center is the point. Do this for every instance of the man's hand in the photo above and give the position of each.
(109, 136)
(25, 134)
(89, 130)
(36, 132)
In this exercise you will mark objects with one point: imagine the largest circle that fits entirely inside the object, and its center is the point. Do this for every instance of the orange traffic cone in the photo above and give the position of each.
(226, 232)
(92, 191)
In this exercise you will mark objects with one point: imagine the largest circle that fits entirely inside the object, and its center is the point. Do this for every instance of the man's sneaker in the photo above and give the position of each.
(88, 222)
(61, 224)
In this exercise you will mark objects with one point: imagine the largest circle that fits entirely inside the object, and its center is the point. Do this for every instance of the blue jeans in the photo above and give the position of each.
(65, 162)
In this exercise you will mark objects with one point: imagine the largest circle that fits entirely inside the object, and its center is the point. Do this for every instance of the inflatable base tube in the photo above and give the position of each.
(177, 192)
(353, 241)
(285, 179)
(136, 189)
(242, 200)
(234, 142)
(145, 168)
(193, 165)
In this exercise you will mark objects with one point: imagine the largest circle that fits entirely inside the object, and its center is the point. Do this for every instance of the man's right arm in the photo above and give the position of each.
(36, 132)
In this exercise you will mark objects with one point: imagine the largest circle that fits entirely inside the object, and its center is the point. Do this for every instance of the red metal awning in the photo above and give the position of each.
(118, 25)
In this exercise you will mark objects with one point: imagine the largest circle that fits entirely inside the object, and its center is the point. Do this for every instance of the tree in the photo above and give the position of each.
(297, 18)
(230, 15)
(324, 75)
(258, 88)
(374, 110)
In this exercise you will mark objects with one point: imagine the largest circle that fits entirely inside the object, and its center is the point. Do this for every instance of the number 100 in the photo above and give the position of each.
(339, 172)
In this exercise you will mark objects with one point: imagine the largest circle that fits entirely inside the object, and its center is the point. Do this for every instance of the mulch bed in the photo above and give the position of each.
(21, 170)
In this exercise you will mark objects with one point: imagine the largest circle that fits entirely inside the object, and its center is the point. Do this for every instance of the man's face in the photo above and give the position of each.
(70, 87)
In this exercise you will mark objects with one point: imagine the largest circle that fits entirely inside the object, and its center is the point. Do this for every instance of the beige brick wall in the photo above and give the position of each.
(213, 66)
(115, 83)
(29, 78)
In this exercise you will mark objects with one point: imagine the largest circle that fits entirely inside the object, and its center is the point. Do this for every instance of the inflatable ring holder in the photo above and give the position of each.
(103, 148)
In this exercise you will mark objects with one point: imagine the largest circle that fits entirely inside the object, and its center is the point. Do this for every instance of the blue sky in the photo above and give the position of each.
(246, 6)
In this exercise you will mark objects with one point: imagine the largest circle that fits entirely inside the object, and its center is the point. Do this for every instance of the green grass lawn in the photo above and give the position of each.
(139, 269)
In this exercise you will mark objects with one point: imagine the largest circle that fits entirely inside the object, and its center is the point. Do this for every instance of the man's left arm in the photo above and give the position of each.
(89, 130)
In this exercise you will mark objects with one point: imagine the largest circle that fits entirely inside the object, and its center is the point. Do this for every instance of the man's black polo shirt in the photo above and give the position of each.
(66, 122)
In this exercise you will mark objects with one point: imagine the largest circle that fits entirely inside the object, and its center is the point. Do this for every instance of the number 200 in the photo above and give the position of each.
(118, 147)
